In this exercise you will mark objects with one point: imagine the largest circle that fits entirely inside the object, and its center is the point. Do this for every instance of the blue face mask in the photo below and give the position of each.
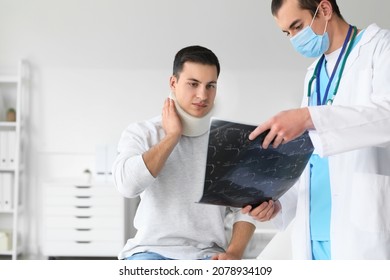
(308, 43)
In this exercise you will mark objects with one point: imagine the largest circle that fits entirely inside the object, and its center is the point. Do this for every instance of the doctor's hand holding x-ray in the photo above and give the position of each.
(340, 204)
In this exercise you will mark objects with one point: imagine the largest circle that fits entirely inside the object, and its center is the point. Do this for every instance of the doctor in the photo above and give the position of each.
(341, 204)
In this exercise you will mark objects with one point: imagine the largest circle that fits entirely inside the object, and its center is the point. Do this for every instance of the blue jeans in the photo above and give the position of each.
(150, 256)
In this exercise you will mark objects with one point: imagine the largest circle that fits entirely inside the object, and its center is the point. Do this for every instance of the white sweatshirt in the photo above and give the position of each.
(169, 221)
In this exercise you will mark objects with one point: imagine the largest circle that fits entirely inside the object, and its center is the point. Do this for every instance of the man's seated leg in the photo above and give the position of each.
(147, 256)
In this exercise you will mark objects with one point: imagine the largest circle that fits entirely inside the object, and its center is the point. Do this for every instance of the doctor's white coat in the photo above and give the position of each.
(355, 134)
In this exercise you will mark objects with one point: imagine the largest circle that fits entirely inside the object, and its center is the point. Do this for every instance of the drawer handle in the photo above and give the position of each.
(83, 217)
(83, 187)
(83, 207)
(83, 242)
(83, 229)
(83, 196)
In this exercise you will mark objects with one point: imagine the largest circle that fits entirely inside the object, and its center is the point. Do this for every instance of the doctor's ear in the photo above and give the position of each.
(326, 9)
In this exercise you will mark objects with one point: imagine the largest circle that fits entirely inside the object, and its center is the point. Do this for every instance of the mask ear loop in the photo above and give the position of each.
(315, 14)
(326, 25)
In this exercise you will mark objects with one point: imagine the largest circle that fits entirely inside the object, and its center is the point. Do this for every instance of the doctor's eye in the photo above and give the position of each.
(298, 27)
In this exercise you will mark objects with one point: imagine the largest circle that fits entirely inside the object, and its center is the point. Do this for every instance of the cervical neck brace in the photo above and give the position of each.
(192, 126)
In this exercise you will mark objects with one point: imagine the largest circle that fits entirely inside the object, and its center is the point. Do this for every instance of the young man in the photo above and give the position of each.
(341, 203)
(163, 161)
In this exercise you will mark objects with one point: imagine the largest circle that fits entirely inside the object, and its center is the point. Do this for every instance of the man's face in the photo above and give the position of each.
(291, 19)
(196, 87)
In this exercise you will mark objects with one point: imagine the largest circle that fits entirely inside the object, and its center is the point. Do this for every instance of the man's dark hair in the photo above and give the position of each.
(197, 54)
(310, 5)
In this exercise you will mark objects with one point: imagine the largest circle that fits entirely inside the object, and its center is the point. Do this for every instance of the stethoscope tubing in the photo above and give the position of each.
(317, 72)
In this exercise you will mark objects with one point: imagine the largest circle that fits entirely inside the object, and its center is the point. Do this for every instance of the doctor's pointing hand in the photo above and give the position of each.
(284, 127)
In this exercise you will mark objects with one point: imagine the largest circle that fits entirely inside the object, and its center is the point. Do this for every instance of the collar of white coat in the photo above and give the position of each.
(370, 32)
(192, 126)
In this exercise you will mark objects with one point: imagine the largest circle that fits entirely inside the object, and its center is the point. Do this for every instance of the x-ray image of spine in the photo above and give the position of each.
(240, 172)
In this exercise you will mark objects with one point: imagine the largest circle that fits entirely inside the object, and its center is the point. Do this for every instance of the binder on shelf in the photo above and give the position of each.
(101, 163)
(3, 149)
(1, 193)
(6, 192)
(4, 241)
(105, 157)
(11, 138)
(7, 149)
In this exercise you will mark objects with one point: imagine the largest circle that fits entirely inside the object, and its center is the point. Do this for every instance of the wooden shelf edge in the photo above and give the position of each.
(9, 79)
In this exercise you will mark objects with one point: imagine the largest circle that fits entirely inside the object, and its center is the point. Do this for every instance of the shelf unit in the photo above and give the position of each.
(13, 140)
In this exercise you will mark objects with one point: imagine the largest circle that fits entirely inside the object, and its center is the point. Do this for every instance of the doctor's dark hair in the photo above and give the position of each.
(197, 54)
(310, 5)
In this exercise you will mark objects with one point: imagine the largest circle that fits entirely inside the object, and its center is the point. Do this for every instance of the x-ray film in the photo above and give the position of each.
(240, 172)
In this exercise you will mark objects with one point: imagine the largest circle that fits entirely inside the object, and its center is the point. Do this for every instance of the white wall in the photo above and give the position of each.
(99, 65)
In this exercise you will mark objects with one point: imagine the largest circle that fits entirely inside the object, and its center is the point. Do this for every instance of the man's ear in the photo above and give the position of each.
(172, 82)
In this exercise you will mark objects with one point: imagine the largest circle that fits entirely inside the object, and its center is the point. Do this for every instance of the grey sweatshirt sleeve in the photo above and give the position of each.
(130, 173)
(239, 217)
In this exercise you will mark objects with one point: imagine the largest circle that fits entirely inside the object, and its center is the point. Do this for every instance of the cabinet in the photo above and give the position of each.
(13, 140)
(82, 219)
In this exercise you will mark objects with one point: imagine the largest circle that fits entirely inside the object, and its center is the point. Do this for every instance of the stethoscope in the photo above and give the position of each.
(317, 71)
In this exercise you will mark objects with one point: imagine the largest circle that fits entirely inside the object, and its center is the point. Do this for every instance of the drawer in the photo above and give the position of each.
(81, 190)
(82, 234)
(92, 221)
(83, 200)
(83, 210)
(80, 248)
